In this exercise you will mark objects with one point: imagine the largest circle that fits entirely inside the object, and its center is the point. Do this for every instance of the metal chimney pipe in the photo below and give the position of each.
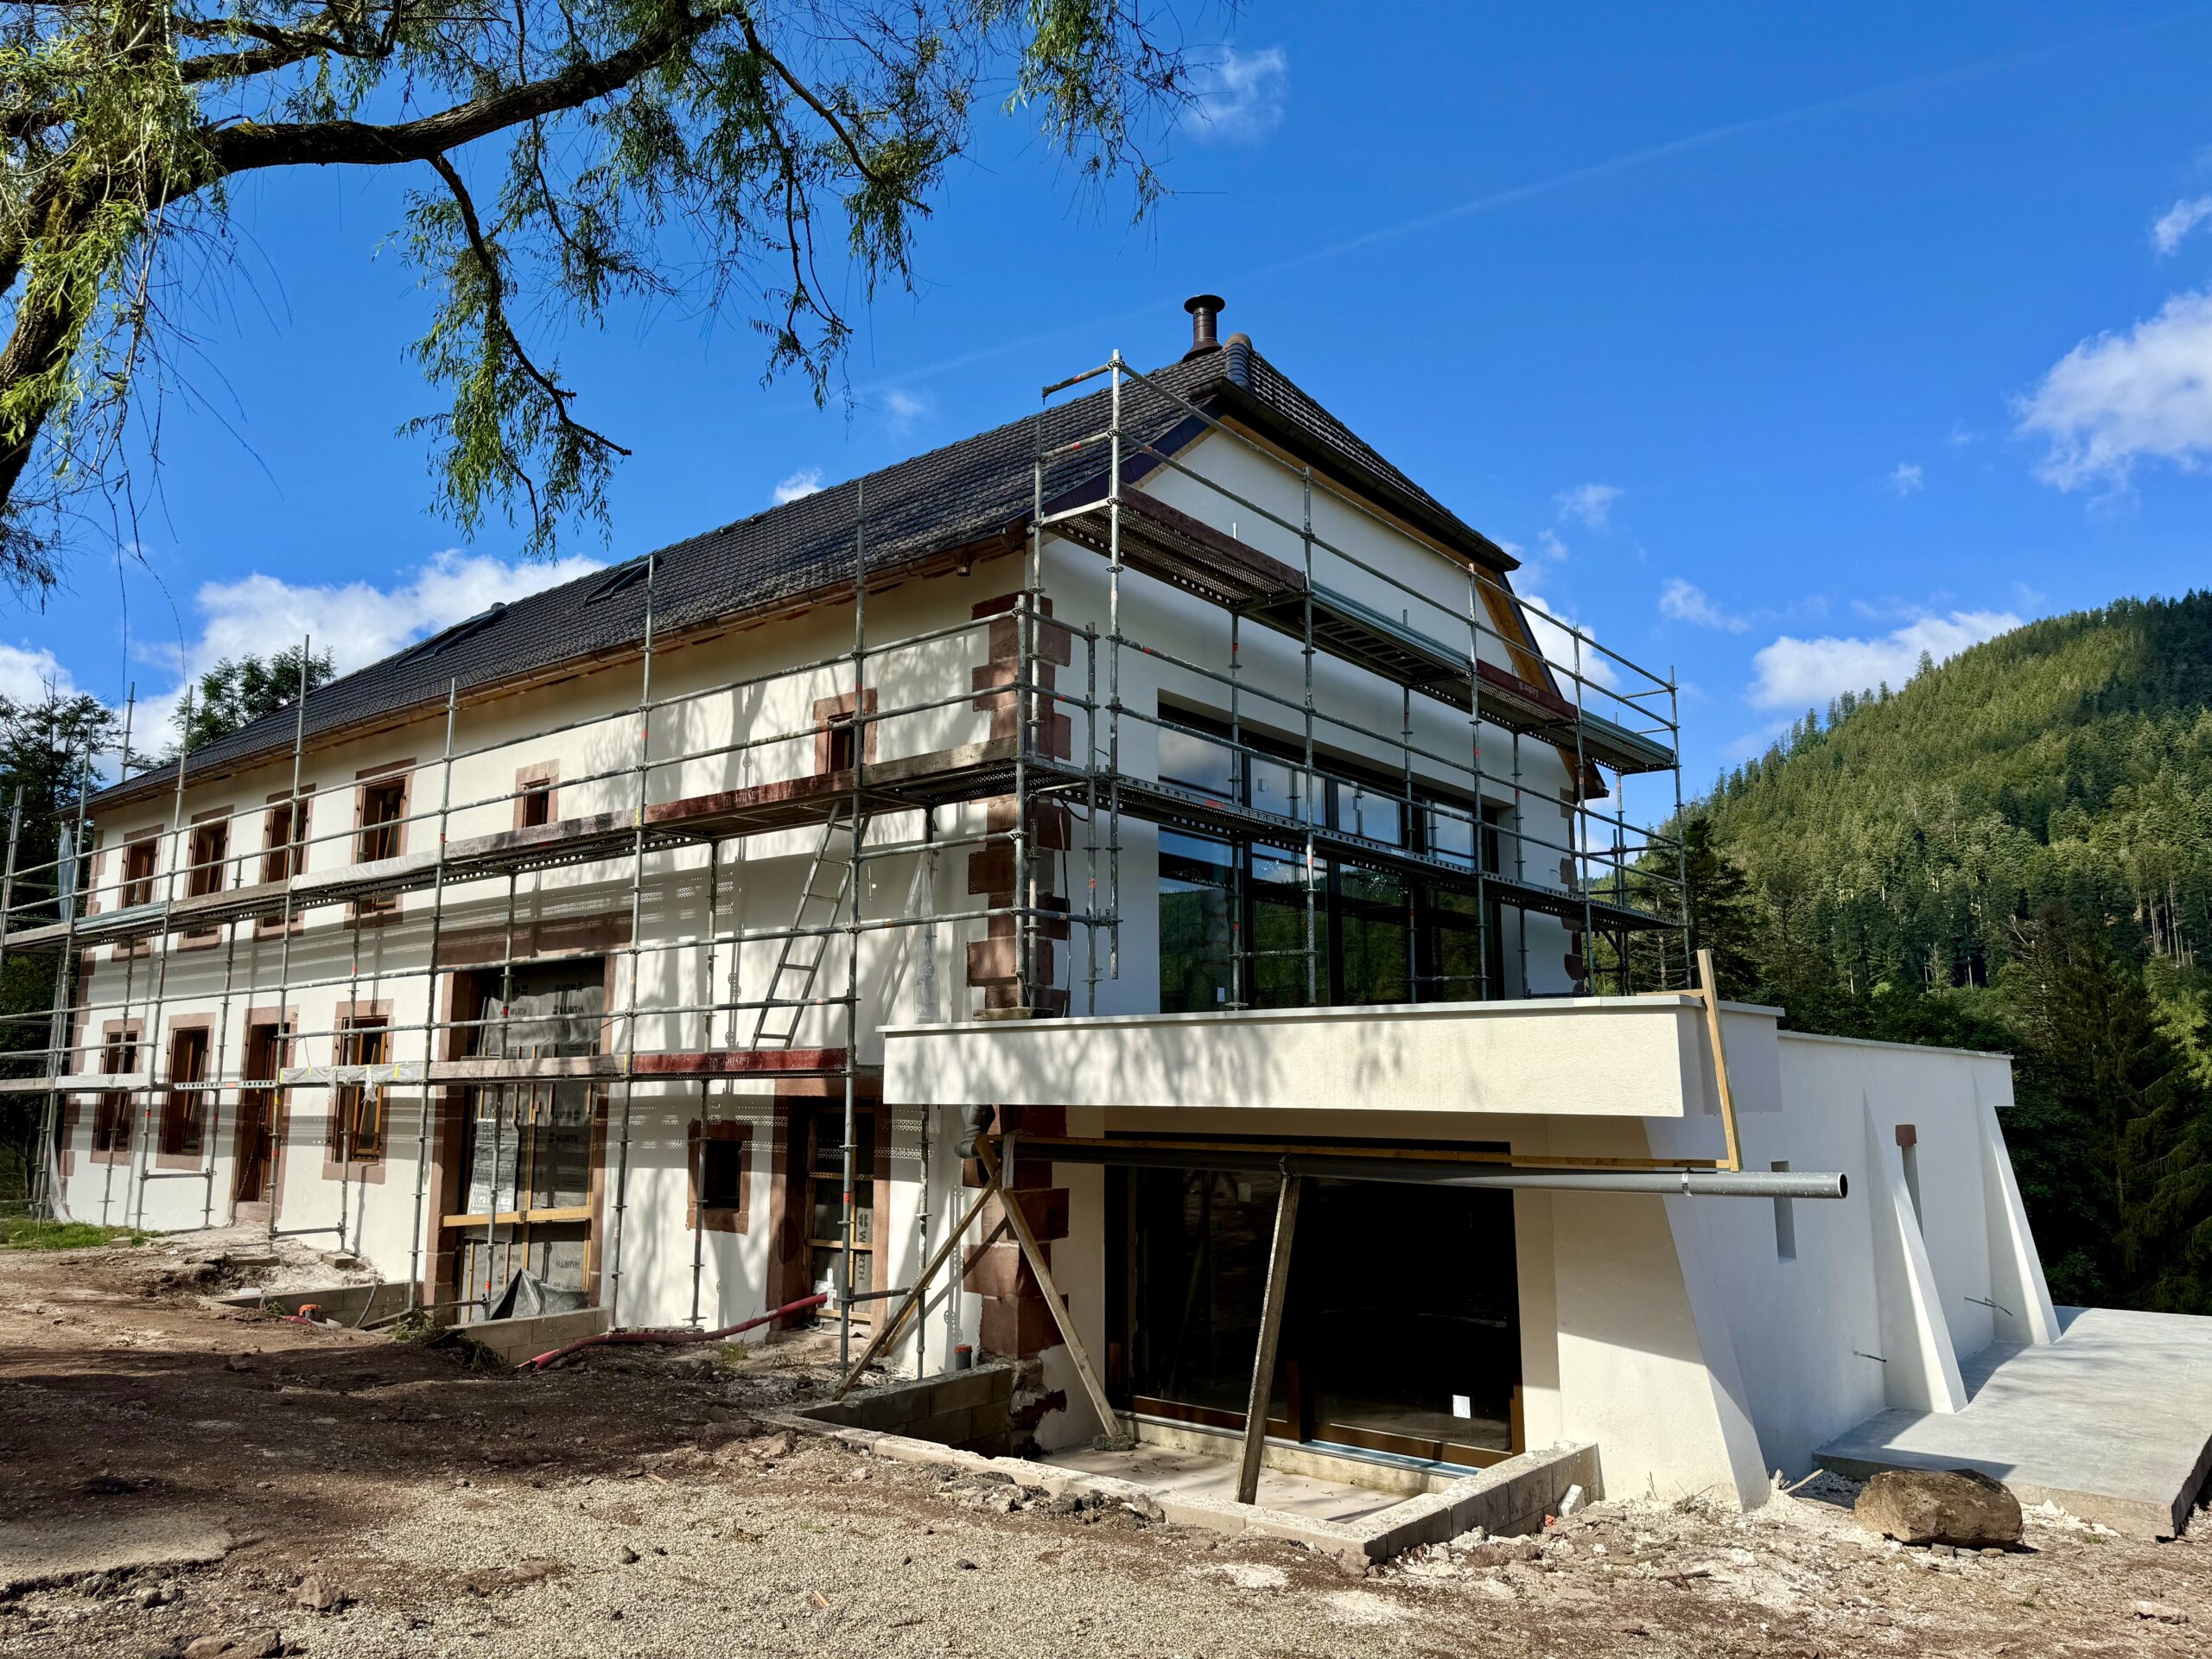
(1204, 309)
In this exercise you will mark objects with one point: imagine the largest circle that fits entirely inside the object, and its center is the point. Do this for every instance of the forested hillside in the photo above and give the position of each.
(2013, 850)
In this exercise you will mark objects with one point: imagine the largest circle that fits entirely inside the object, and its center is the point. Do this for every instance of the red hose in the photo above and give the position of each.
(666, 1337)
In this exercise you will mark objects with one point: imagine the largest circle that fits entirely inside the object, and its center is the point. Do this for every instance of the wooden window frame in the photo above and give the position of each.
(204, 872)
(719, 1217)
(834, 726)
(116, 1106)
(203, 876)
(179, 1105)
(150, 842)
(352, 1021)
(126, 846)
(541, 782)
(280, 861)
(287, 1022)
(369, 781)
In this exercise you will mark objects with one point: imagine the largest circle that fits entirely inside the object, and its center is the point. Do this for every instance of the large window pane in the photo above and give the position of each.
(1200, 763)
(1279, 788)
(1366, 811)
(1451, 836)
(1452, 968)
(1278, 960)
(1376, 965)
(1196, 878)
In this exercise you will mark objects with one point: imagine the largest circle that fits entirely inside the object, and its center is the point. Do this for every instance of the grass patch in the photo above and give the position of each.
(28, 1233)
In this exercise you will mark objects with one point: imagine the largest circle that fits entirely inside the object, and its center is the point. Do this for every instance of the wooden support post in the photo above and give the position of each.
(890, 1329)
(1109, 1424)
(1263, 1361)
(1710, 993)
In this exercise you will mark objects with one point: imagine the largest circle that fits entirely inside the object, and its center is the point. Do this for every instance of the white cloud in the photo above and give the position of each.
(1558, 646)
(1591, 504)
(805, 482)
(2178, 220)
(1685, 602)
(2118, 397)
(27, 673)
(357, 622)
(1238, 97)
(1549, 546)
(902, 408)
(1796, 673)
(1905, 478)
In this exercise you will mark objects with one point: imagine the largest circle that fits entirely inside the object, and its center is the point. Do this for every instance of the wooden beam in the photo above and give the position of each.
(1109, 1424)
(1710, 993)
(1263, 1361)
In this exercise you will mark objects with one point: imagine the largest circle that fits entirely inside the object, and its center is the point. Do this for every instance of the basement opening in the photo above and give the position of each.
(1412, 1353)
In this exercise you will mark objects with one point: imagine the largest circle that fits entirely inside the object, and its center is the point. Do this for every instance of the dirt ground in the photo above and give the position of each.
(344, 1493)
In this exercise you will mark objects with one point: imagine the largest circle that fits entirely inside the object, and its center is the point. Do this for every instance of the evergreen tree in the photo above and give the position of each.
(235, 693)
(1720, 913)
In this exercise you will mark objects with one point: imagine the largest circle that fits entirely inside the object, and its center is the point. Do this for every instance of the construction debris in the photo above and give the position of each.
(459, 1511)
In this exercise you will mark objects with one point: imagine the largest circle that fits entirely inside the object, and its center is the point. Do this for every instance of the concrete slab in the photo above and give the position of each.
(127, 1541)
(1163, 1470)
(2112, 1421)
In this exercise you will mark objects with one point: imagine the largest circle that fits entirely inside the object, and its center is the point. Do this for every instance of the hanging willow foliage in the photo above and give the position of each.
(572, 153)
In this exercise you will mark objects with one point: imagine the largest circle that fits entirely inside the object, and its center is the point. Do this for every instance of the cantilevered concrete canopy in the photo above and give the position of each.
(1589, 1057)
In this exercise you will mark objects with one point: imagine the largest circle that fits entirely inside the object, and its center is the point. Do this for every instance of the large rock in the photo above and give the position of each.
(1940, 1506)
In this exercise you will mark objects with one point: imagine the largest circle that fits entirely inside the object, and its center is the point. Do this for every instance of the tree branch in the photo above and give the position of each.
(495, 309)
(806, 95)
(251, 145)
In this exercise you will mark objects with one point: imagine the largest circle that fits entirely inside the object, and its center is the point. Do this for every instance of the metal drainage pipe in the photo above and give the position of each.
(1415, 1172)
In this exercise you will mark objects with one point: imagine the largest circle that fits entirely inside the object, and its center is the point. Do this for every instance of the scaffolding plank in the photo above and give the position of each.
(693, 1064)
(966, 772)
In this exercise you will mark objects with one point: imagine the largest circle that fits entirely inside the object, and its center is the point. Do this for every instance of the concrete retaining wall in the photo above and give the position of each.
(516, 1340)
(961, 1408)
(347, 1304)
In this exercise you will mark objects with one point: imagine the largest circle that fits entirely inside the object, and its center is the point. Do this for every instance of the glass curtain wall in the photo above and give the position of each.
(1232, 918)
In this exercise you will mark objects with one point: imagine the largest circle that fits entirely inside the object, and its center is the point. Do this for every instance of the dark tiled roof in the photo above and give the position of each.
(928, 504)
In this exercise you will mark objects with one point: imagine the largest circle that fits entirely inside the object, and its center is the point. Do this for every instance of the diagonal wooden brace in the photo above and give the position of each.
(1109, 1422)
(1263, 1360)
(882, 1338)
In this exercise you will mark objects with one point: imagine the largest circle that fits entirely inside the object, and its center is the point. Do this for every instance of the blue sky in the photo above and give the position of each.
(1784, 342)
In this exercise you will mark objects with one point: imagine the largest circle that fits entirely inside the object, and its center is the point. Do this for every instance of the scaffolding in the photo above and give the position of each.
(1428, 818)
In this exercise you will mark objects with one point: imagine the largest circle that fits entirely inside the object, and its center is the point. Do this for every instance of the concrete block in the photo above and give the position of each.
(1425, 1520)
(1187, 1509)
(957, 1389)
(515, 1340)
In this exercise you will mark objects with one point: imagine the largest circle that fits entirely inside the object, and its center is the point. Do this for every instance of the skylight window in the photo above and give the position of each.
(438, 644)
(621, 578)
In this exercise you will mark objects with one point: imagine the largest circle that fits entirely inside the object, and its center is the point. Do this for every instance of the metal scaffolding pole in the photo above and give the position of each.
(706, 1094)
(637, 923)
(48, 1199)
(167, 875)
(296, 859)
(858, 829)
(430, 1006)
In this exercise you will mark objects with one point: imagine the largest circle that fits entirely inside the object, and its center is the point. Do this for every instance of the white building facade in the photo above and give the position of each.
(1166, 775)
